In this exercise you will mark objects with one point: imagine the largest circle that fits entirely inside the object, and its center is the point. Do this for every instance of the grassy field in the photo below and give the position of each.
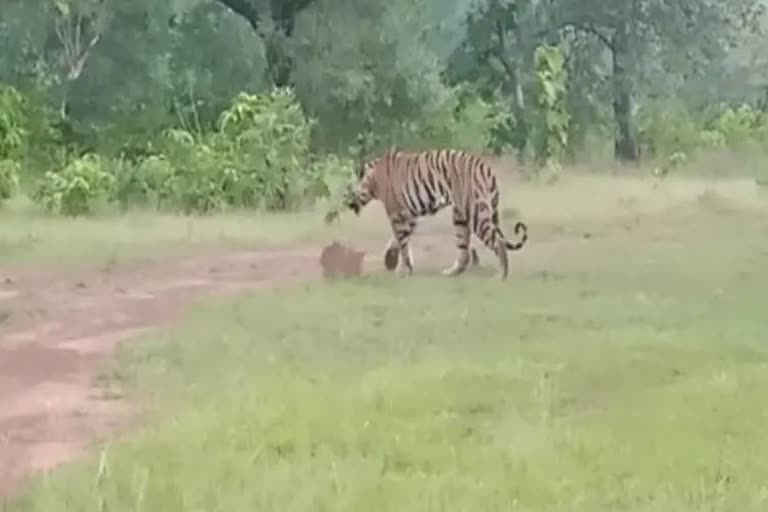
(623, 367)
(31, 237)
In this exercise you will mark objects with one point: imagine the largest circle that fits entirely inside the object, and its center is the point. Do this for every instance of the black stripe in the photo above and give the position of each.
(431, 176)
(418, 197)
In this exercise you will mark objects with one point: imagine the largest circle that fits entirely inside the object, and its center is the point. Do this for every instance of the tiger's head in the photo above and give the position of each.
(358, 194)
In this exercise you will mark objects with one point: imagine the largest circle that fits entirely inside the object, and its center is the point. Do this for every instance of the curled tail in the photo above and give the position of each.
(519, 228)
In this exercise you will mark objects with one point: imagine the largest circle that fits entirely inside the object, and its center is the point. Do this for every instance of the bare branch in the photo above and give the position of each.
(78, 64)
(508, 68)
(70, 29)
(589, 28)
(246, 9)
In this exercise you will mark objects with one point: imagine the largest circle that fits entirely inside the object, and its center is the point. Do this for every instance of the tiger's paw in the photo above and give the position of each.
(391, 258)
(455, 270)
(474, 257)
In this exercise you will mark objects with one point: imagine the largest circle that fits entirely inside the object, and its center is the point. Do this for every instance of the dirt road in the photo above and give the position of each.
(57, 331)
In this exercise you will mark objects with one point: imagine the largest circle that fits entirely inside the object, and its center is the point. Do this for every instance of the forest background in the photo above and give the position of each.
(206, 105)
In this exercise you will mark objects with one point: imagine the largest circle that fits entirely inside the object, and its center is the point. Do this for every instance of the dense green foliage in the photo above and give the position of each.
(199, 105)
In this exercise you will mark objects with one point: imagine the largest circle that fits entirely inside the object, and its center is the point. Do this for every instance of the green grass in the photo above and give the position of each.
(623, 371)
(29, 236)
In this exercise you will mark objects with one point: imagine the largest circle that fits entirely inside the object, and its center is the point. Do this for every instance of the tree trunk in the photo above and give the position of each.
(279, 64)
(625, 142)
(512, 88)
(283, 13)
(279, 60)
(521, 113)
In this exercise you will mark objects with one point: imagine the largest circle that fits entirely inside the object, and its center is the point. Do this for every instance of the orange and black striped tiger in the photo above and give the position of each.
(412, 185)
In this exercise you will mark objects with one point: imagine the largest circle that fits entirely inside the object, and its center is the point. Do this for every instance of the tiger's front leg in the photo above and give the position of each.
(403, 230)
(391, 255)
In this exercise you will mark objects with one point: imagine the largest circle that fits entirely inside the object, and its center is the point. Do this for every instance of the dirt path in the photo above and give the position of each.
(57, 331)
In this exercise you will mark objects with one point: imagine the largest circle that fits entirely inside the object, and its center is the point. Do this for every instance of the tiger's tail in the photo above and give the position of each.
(519, 228)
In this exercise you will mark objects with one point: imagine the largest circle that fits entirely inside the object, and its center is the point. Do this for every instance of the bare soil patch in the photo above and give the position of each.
(57, 331)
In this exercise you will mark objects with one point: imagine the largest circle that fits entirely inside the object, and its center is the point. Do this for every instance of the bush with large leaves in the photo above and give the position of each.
(74, 189)
(258, 157)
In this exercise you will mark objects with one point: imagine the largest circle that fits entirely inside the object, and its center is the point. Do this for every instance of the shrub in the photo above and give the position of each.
(142, 183)
(666, 127)
(739, 125)
(456, 117)
(551, 127)
(26, 132)
(462, 120)
(327, 176)
(712, 139)
(9, 178)
(266, 138)
(13, 122)
(200, 176)
(73, 189)
(258, 157)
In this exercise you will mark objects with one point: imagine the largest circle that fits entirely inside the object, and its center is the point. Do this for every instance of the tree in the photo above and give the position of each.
(636, 31)
(638, 36)
(409, 73)
(78, 26)
(282, 14)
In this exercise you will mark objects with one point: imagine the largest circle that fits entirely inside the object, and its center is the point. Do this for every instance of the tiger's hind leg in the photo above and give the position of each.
(464, 253)
(487, 229)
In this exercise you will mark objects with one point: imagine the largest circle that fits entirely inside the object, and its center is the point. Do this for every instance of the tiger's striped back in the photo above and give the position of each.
(422, 183)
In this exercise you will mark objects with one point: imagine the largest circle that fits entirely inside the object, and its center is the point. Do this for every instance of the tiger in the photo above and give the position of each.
(416, 184)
